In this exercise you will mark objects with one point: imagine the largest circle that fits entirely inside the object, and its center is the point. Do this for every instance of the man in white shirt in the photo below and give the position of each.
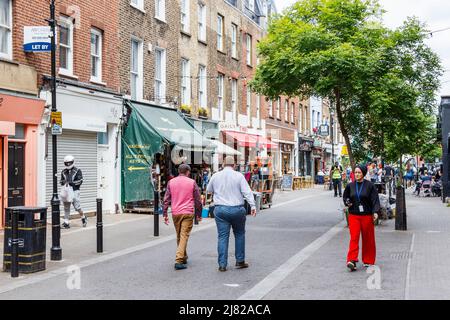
(229, 189)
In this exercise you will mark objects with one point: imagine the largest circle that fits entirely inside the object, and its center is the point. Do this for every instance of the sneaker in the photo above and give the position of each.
(84, 221)
(351, 265)
(241, 265)
(222, 269)
(367, 265)
(66, 225)
(180, 266)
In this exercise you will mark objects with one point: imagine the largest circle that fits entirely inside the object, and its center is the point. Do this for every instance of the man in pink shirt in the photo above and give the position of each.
(183, 196)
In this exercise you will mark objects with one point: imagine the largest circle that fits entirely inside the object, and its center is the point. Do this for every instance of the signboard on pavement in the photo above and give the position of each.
(37, 39)
(287, 181)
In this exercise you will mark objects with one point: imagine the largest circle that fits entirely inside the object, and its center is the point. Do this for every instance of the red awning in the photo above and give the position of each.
(251, 140)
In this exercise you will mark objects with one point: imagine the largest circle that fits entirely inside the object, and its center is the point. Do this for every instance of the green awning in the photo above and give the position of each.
(170, 125)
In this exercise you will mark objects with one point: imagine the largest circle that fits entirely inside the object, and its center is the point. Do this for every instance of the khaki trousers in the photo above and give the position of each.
(183, 225)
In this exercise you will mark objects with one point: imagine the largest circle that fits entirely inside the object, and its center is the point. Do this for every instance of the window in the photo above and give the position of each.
(292, 112)
(250, 4)
(220, 32)
(249, 106)
(202, 94)
(234, 83)
(102, 138)
(136, 69)
(278, 108)
(319, 121)
(160, 75)
(286, 110)
(249, 49)
(220, 95)
(258, 111)
(6, 29)
(185, 15)
(139, 4)
(234, 40)
(201, 22)
(96, 55)
(300, 118)
(160, 10)
(66, 46)
(185, 82)
(270, 108)
(313, 119)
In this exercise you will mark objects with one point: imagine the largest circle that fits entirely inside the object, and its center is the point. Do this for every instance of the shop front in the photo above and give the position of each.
(305, 148)
(19, 120)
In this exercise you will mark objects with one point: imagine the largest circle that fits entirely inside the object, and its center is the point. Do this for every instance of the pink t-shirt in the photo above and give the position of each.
(182, 195)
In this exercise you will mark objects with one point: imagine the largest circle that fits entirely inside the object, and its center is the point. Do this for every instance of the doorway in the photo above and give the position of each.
(16, 174)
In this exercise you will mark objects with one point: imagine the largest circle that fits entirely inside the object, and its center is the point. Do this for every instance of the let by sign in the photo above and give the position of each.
(37, 39)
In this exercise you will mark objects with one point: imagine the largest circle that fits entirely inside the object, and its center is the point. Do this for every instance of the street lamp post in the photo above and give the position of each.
(332, 137)
(56, 251)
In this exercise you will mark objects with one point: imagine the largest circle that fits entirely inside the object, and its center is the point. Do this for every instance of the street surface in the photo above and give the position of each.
(296, 250)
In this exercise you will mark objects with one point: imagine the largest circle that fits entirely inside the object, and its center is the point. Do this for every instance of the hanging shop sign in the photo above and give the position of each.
(324, 130)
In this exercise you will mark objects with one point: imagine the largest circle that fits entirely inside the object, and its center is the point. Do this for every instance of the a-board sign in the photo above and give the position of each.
(287, 181)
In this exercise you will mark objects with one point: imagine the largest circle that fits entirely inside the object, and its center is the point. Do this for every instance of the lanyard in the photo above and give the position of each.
(358, 192)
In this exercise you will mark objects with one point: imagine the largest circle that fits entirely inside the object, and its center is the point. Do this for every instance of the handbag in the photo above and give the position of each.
(66, 193)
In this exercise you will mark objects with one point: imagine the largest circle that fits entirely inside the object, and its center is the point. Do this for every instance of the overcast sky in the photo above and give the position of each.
(435, 13)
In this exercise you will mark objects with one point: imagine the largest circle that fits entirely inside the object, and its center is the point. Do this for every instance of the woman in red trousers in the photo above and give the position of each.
(361, 198)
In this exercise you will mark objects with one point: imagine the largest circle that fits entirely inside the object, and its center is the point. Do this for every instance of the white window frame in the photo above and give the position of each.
(286, 108)
(185, 16)
(160, 83)
(300, 118)
(234, 32)
(160, 10)
(9, 54)
(138, 4)
(140, 70)
(313, 118)
(279, 108)
(249, 106)
(99, 77)
(202, 22)
(258, 110)
(270, 102)
(220, 94)
(220, 32)
(248, 49)
(202, 87)
(234, 97)
(292, 111)
(185, 82)
(68, 23)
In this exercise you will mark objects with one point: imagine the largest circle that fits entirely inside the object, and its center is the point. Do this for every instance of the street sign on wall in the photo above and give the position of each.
(56, 122)
(37, 39)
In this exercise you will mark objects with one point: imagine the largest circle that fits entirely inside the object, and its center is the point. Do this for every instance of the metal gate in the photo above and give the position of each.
(83, 146)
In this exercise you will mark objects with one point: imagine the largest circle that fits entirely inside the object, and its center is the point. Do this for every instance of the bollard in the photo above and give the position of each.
(99, 226)
(14, 244)
(156, 215)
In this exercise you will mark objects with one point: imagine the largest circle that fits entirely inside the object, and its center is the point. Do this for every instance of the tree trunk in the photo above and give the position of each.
(344, 130)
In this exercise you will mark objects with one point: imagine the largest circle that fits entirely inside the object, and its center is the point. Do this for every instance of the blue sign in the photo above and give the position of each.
(37, 39)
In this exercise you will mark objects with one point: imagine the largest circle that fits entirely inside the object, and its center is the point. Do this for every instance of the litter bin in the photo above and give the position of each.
(32, 223)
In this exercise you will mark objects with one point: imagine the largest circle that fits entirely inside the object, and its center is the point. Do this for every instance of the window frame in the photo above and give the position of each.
(258, 110)
(186, 25)
(249, 105)
(286, 110)
(9, 29)
(138, 5)
(220, 94)
(234, 98)
(221, 35)
(162, 80)
(278, 108)
(185, 81)
(201, 10)
(292, 112)
(270, 102)
(248, 49)
(99, 77)
(68, 23)
(202, 86)
(160, 12)
(140, 69)
(234, 36)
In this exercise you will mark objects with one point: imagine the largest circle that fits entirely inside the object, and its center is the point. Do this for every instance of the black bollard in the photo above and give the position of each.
(156, 215)
(14, 244)
(99, 226)
(400, 205)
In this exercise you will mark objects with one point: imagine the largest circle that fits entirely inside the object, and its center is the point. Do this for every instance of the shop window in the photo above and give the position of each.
(20, 132)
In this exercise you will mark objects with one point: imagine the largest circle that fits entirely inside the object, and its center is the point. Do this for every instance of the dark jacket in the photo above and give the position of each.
(369, 198)
(73, 177)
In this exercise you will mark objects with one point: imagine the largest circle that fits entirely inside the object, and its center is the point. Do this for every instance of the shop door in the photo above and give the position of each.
(16, 176)
(1, 181)
(286, 163)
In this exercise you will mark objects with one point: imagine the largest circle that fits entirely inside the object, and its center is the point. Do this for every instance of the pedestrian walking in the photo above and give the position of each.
(72, 177)
(229, 189)
(361, 198)
(336, 176)
(183, 196)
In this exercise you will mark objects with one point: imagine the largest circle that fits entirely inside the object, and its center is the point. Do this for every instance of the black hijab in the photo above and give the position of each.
(363, 169)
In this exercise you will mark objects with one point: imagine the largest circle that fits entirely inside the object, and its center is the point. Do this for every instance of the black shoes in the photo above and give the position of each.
(241, 265)
(351, 265)
(66, 225)
(84, 221)
(180, 266)
(222, 269)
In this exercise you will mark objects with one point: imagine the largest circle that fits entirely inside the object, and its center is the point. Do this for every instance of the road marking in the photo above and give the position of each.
(408, 268)
(105, 225)
(233, 285)
(262, 288)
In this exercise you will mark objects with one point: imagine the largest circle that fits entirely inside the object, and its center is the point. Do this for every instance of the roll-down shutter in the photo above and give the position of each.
(83, 146)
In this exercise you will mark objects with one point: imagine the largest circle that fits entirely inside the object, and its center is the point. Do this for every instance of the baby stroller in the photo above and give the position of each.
(436, 189)
(386, 208)
(425, 188)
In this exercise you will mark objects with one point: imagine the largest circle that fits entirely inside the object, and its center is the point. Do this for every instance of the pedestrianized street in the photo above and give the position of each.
(296, 250)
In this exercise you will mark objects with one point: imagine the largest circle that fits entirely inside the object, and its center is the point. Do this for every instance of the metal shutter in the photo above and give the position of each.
(83, 146)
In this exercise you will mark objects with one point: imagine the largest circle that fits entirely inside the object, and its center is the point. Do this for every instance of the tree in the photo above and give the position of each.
(381, 82)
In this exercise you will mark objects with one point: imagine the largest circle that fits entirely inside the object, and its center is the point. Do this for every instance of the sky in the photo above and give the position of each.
(436, 15)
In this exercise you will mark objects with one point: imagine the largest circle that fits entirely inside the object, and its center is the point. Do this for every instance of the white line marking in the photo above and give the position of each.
(408, 268)
(272, 280)
(233, 285)
(105, 225)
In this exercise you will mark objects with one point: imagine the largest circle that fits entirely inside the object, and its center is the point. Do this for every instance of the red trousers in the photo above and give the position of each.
(361, 225)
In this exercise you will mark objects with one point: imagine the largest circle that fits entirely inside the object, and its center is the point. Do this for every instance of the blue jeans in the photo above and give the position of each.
(227, 217)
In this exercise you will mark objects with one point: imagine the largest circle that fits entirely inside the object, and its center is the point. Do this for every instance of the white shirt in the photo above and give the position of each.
(230, 188)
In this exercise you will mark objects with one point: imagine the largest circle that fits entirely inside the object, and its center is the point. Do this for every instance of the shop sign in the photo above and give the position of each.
(37, 39)
(230, 126)
(56, 123)
(285, 147)
(324, 130)
(305, 146)
(317, 143)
